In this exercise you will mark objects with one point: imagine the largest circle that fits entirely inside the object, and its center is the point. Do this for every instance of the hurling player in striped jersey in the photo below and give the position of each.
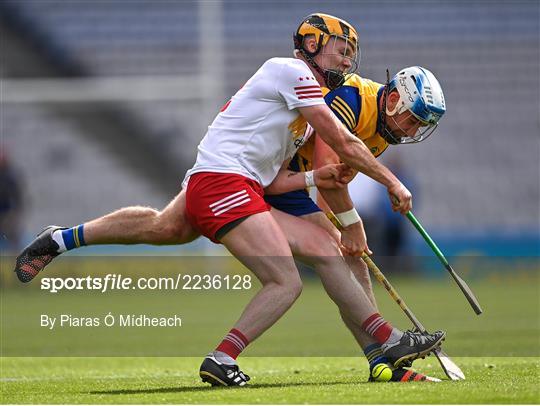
(405, 110)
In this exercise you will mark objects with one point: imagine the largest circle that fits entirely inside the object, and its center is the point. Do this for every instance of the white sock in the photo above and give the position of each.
(224, 358)
(394, 338)
(57, 237)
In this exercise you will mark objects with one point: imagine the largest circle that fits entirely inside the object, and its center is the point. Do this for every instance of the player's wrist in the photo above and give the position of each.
(310, 178)
(348, 218)
(354, 227)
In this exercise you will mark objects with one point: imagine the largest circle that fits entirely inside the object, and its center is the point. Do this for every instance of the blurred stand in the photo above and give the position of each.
(11, 205)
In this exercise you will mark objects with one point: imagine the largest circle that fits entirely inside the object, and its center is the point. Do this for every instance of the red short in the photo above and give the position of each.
(213, 200)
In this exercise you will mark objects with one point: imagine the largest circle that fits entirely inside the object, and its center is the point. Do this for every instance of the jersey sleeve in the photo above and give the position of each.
(298, 87)
(345, 103)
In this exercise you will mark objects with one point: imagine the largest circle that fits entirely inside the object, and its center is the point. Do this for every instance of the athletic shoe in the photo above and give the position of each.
(411, 346)
(37, 255)
(218, 374)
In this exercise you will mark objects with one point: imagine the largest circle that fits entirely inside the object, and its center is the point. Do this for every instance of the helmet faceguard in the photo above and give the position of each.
(323, 27)
(421, 95)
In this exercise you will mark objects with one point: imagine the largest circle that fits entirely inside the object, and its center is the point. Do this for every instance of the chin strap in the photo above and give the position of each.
(384, 131)
(333, 79)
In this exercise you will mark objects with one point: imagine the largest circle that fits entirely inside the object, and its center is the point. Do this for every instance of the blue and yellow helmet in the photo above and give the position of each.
(421, 94)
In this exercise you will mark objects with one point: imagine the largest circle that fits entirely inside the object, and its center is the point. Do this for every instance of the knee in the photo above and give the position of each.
(295, 287)
(292, 291)
(289, 287)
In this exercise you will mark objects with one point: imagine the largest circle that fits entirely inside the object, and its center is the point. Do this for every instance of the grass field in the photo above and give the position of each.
(275, 380)
(308, 357)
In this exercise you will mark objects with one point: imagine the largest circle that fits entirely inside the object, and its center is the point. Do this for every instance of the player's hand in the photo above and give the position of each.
(347, 173)
(354, 241)
(331, 176)
(400, 198)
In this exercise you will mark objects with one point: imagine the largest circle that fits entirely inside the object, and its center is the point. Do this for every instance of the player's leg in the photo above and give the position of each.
(230, 208)
(298, 203)
(142, 225)
(359, 270)
(130, 225)
(356, 264)
(316, 247)
(372, 349)
(260, 245)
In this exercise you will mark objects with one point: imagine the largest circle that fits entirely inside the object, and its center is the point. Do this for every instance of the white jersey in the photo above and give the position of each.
(260, 127)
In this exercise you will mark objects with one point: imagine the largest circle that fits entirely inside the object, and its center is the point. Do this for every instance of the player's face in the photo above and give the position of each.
(338, 54)
(404, 124)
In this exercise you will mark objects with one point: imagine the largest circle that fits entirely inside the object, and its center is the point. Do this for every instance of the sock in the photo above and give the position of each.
(375, 355)
(224, 358)
(233, 344)
(70, 238)
(380, 329)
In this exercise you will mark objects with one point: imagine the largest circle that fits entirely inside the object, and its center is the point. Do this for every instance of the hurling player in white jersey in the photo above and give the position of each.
(245, 146)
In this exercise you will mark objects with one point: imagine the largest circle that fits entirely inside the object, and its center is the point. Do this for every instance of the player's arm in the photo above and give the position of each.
(354, 153)
(326, 177)
(336, 200)
(353, 235)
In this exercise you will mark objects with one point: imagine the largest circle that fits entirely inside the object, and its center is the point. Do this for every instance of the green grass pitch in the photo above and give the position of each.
(275, 380)
(307, 357)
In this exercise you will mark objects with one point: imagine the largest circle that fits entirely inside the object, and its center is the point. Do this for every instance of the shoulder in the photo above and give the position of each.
(346, 93)
(293, 62)
(369, 87)
(345, 102)
(289, 66)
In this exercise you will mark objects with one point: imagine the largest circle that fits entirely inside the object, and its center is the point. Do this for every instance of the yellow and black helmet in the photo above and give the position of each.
(323, 27)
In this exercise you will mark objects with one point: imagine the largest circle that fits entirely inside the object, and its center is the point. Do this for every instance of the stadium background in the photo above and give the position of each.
(104, 103)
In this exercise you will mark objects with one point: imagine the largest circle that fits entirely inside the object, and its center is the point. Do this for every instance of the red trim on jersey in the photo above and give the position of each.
(307, 87)
(214, 200)
(308, 92)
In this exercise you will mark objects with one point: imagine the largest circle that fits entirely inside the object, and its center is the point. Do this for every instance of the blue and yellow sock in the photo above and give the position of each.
(70, 238)
(374, 355)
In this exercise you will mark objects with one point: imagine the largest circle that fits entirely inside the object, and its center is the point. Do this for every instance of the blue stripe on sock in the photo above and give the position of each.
(81, 235)
(378, 360)
(69, 238)
(381, 359)
(371, 347)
